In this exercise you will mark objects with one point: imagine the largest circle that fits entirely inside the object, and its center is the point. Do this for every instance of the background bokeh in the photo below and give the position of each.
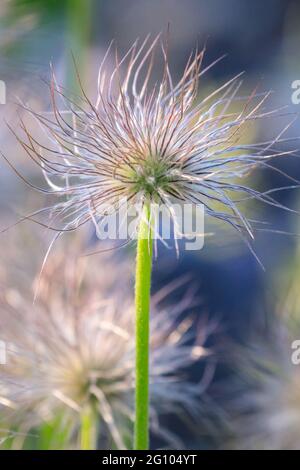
(260, 38)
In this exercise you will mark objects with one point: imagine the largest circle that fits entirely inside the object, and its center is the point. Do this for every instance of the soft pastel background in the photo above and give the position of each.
(250, 305)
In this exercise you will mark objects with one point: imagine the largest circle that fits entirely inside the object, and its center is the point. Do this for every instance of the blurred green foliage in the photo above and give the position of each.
(47, 9)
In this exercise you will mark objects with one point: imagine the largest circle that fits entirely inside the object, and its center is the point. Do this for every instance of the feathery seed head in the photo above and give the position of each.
(150, 140)
(265, 414)
(75, 348)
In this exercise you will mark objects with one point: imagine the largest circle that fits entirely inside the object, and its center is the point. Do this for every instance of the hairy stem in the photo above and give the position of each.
(88, 429)
(142, 327)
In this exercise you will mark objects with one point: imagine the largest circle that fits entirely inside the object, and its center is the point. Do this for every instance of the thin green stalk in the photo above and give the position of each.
(142, 326)
(88, 429)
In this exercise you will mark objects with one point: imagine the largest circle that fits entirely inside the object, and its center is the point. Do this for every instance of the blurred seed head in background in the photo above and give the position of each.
(74, 347)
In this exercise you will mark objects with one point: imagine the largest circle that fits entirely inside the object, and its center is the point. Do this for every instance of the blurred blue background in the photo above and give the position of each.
(260, 38)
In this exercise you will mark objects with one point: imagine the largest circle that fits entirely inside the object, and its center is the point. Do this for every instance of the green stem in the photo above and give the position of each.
(88, 429)
(142, 327)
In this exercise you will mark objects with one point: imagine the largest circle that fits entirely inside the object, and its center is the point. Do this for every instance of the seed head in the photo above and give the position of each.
(265, 411)
(75, 348)
(146, 139)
